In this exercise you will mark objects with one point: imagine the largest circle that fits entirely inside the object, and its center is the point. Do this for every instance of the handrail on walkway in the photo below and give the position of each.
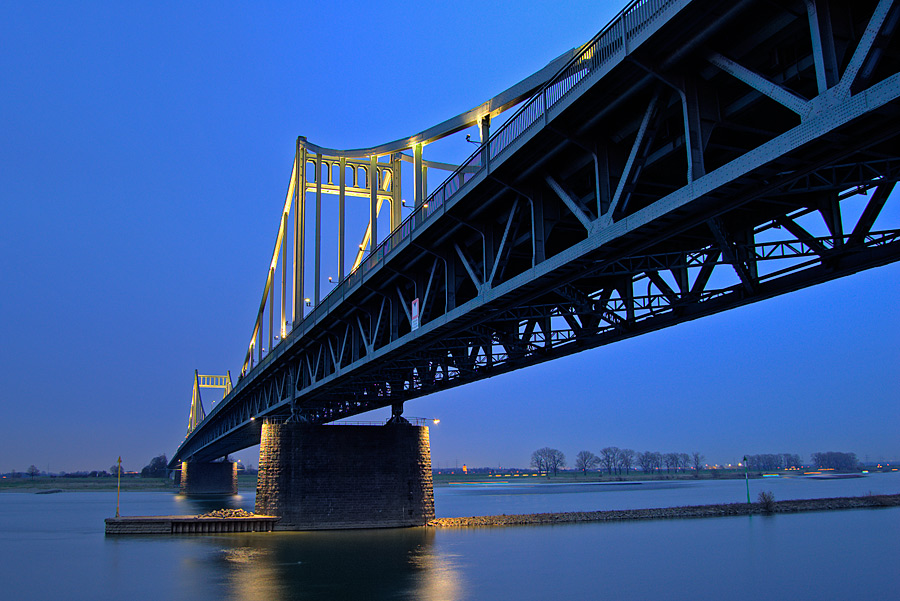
(610, 43)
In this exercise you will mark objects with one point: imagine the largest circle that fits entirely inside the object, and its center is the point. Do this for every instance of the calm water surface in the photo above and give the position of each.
(53, 547)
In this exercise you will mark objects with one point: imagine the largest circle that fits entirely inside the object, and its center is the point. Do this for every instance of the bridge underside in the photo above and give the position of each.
(729, 153)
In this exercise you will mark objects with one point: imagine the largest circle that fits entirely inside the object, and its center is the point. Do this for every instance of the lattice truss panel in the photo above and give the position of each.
(699, 157)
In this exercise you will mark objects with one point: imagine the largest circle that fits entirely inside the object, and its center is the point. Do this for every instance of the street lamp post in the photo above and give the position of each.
(747, 478)
(118, 482)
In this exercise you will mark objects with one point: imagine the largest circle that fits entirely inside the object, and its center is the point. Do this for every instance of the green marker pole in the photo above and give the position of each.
(747, 478)
(119, 483)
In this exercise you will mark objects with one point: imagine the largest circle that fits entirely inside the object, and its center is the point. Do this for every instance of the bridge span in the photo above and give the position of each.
(693, 157)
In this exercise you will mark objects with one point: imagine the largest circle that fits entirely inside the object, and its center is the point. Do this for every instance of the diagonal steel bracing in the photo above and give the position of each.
(694, 157)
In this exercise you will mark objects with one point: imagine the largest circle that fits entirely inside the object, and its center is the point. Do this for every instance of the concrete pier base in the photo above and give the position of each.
(205, 479)
(330, 477)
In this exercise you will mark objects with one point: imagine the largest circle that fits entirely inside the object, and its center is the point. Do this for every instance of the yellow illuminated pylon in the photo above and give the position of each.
(198, 413)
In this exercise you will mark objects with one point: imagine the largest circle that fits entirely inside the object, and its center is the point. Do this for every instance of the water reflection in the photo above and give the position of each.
(197, 505)
(357, 564)
(52, 547)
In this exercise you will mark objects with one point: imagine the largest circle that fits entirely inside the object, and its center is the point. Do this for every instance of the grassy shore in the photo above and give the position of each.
(447, 477)
(130, 484)
(693, 511)
(441, 478)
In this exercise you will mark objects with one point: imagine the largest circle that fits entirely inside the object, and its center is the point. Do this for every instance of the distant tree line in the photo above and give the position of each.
(836, 460)
(34, 471)
(773, 461)
(614, 460)
(156, 468)
(86, 474)
(781, 461)
(548, 460)
(654, 461)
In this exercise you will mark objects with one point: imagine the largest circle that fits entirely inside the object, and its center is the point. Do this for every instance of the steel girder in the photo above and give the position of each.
(705, 166)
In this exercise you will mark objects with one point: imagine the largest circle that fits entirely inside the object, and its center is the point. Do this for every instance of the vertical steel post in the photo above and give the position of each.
(396, 199)
(341, 200)
(693, 129)
(538, 238)
(301, 242)
(747, 478)
(485, 132)
(318, 252)
(373, 203)
(418, 176)
(822, 45)
(627, 293)
(296, 203)
(601, 174)
(271, 306)
(281, 326)
(299, 229)
(119, 482)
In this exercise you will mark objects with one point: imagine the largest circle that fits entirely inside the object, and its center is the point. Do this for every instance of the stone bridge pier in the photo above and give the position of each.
(207, 479)
(345, 476)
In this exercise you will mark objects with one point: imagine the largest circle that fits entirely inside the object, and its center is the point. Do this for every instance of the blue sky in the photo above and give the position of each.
(145, 152)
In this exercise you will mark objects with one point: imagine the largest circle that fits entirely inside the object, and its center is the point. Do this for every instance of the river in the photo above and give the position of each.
(53, 547)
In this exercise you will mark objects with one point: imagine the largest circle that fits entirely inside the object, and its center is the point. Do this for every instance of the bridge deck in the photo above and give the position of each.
(693, 158)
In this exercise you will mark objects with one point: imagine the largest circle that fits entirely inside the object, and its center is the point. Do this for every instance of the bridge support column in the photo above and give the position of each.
(330, 477)
(200, 479)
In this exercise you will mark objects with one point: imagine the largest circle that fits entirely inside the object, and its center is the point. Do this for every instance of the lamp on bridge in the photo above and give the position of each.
(307, 301)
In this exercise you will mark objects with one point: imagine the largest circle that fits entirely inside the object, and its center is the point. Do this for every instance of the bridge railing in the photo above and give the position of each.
(414, 421)
(603, 48)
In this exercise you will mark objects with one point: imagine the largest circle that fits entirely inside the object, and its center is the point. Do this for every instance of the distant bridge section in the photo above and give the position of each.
(693, 157)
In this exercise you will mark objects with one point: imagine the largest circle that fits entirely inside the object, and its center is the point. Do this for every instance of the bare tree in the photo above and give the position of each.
(157, 468)
(33, 471)
(791, 460)
(609, 458)
(626, 459)
(548, 460)
(539, 459)
(836, 460)
(557, 461)
(697, 460)
(671, 461)
(684, 460)
(585, 460)
(772, 461)
(646, 461)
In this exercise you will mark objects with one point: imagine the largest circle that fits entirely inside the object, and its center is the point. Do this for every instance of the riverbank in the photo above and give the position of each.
(455, 477)
(695, 511)
(246, 483)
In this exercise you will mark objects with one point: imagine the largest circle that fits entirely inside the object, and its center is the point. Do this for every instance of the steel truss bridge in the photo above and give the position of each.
(693, 157)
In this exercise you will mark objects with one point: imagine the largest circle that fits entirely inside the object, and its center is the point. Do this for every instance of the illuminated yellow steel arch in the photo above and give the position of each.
(200, 381)
(382, 166)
